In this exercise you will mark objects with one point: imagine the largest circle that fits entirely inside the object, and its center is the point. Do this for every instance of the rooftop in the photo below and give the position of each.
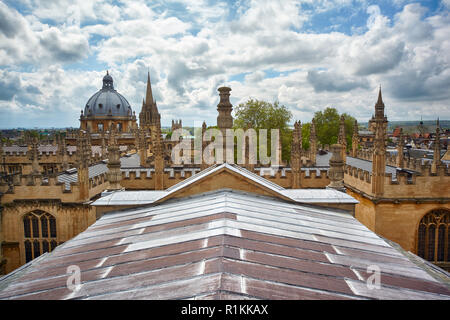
(226, 245)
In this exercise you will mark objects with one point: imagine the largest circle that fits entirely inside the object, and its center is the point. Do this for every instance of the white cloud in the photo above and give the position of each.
(192, 48)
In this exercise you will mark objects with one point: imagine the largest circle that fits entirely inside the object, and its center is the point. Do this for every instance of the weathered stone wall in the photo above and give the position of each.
(71, 219)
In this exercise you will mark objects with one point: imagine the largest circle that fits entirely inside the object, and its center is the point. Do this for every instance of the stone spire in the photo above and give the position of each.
(313, 142)
(355, 140)
(149, 116)
(114, 175)
(342, 140)
(437, 150)
(149, 93)
(296, 153)
(400, 145)
(379, 106)
(378, 124)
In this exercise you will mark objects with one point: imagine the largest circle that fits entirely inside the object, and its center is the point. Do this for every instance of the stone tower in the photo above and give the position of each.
(176, 124)
(378, 123)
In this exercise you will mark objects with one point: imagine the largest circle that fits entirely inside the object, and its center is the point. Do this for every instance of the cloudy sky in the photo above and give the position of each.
(306, 54)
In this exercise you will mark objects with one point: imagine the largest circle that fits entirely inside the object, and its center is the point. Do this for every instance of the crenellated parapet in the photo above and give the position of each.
(421, 183)
(37, 186)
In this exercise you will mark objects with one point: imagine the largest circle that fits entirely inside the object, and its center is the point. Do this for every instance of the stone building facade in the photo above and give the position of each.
(409, 204)
(45, 190)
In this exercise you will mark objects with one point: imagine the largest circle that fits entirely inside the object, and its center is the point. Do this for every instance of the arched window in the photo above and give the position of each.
(433, 237)
(40, 234)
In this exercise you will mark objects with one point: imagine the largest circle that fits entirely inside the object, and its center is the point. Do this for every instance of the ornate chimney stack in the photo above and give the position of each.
(336, 171)
(313, 142)
(224, 119)
(400, 145)
(296, 153)
(355, 140)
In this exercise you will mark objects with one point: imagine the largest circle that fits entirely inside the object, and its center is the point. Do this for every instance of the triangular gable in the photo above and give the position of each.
(224, 176)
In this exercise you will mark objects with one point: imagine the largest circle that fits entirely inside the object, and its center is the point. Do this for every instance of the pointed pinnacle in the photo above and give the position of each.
(380, 98)
(149, 94)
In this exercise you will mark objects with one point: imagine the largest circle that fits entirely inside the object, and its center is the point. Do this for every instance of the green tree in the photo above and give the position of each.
(258, 114)
(327, 126)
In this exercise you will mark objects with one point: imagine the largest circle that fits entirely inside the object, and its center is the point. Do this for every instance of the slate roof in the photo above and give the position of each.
(225, 245)
(366, 165)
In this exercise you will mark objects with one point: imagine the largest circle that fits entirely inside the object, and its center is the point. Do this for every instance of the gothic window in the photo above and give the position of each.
(433, 237)
(100, 127)
(40, 234)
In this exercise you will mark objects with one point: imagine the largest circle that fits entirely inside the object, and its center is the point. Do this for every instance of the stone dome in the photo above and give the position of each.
(107, 102)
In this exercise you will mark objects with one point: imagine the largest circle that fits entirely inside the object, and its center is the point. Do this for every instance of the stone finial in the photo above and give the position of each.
(336, 171)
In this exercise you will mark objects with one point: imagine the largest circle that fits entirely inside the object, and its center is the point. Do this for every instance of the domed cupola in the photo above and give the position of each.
(106, 107)
(107, 102)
